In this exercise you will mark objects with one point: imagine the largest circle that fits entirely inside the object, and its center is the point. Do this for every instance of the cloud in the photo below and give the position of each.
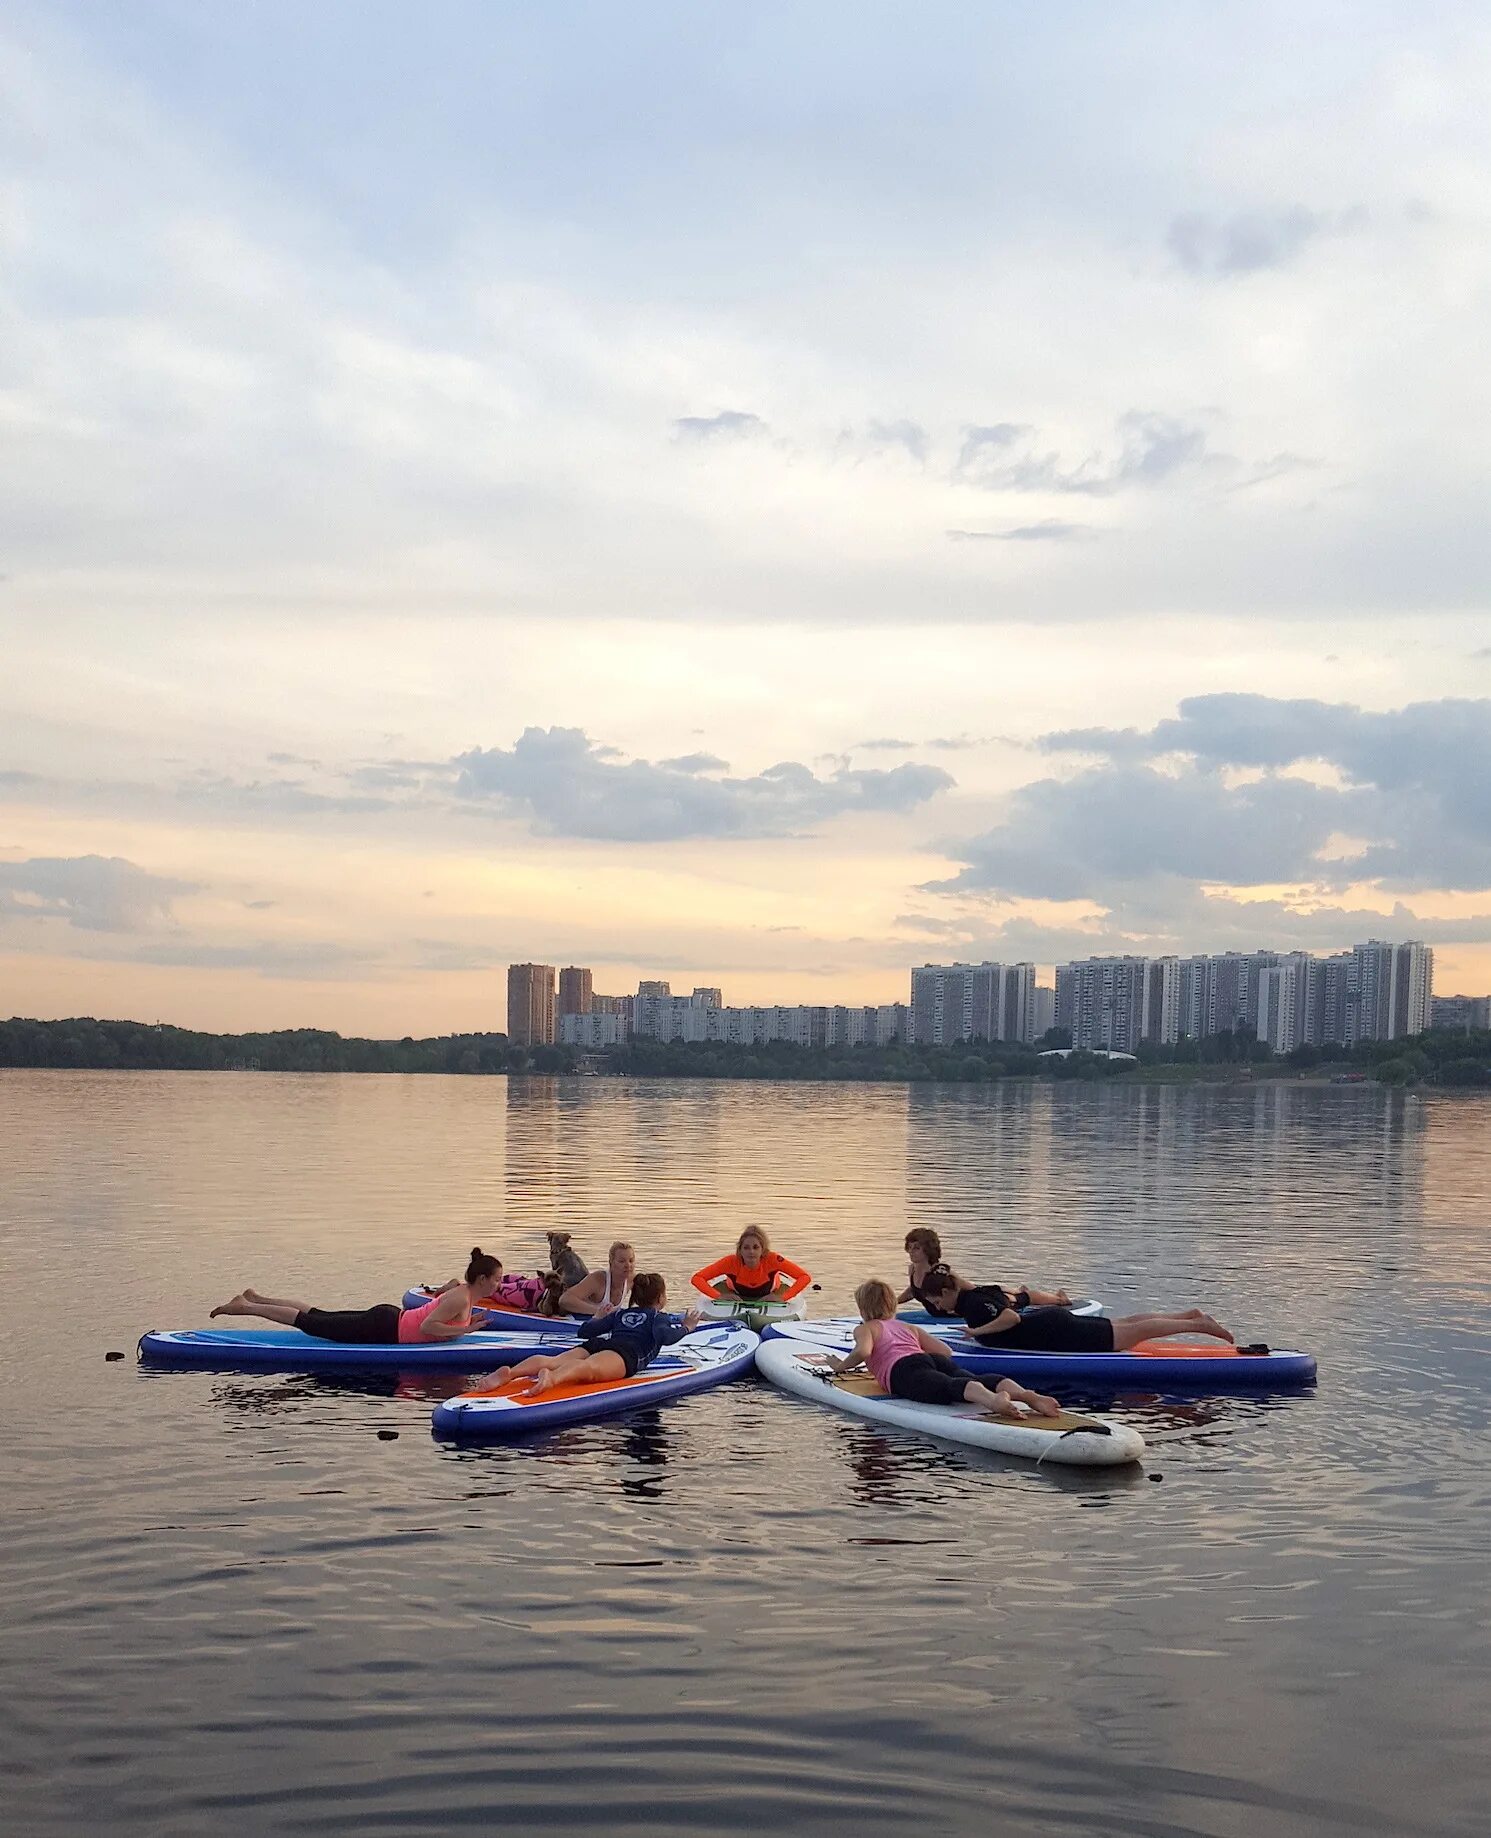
(297, 959)
(1152, 449)
(561, 781)
(273, 797)
(294, 759)
(886, 745)
(960, 743)
(1248, 242)
(908, 437)
(95, 893)
(1168, 917)
(688, 762)
(1074, 839)
(1049, 529)
(1415, 790)
(729, 424)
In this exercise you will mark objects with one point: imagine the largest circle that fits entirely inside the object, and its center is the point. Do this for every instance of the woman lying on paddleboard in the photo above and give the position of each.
(752, 1274)
(911, 1364)
(602, 1290)
(996, 1319)
(613, 1346)
(444, 1317)
(924, 1257)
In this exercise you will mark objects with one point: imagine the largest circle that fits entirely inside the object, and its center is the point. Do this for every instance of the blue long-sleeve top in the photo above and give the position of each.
(646, 1330)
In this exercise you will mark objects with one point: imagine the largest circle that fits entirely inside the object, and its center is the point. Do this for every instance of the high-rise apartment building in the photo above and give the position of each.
(1469, 1014)
(575, 991)
(530, 1004)
(1103, 1001)
(1043, 1010)
(1389, 990)
(597, 1029)
(1375, 991)
(655, 987)
(953, 1002)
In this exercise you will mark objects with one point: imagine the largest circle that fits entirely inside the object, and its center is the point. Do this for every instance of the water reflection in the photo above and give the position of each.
(198, 1571)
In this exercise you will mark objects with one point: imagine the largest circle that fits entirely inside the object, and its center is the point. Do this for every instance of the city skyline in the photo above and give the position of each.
(1377, 990)
(632, 503)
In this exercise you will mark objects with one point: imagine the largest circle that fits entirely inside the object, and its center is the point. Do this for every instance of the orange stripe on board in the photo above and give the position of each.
(1163, 1349)
(509, 1391)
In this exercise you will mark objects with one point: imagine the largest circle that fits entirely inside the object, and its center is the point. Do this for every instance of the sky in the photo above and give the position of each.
(763, 497)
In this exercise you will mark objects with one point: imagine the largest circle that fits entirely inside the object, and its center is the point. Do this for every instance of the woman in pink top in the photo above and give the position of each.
(909, 1363)
(444, 1317)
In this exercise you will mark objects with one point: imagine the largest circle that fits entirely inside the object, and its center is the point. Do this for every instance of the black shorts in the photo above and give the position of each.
(927, 1378)
(627, 1351)
(357, 1327)
(1055, 1330)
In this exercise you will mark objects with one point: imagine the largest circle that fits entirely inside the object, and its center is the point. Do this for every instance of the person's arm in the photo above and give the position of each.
(929, 1343)
(1047, 1298)
(450, 1320)
(857, 1353)
(906, 1295)
(595, 1326)
(672, 1328)
(704, 1280)
(995, 1325)
(581, 1298)
(800, 1278)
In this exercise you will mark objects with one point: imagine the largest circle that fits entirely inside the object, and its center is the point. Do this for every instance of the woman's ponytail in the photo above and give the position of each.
(482, 1264)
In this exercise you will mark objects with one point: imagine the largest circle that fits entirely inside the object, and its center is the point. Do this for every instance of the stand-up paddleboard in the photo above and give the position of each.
(923, 1317)
(1084, 1442)
(286, 1349)
(1172, 1363)
(494, 1315)
(708, 1356)
(754, 1314)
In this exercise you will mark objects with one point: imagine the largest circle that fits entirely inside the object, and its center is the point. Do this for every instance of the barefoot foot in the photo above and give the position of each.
(233, 1307)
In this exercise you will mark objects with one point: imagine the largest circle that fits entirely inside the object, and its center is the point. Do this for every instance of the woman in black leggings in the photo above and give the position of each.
(446, 1316)
(908, 1363)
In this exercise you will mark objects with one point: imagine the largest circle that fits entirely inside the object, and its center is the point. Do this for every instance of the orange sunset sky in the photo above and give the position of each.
(570, 497)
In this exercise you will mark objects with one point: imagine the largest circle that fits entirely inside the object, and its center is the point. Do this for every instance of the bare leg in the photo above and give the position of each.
(1129, 1330)
(282, 1312)
(586, 1369)
(1006, 1397)
(253, 1295)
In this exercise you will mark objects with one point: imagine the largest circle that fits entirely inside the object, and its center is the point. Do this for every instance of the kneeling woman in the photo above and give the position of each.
(618, 1345)
(446, 1316)
(910, 1364)
(754, 1273)
(994, 1317)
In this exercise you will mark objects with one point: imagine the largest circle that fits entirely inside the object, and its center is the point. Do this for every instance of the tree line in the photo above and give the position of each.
(1442, 1057)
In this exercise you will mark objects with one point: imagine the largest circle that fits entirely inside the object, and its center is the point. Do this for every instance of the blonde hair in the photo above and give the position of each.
(619, 1246)
(875, 1300)
(753, 1231)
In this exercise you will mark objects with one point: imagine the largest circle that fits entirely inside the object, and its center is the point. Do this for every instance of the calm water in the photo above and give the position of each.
(225, 1605)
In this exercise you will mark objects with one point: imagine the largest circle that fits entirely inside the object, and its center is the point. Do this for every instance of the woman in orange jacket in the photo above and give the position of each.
(753, 1273)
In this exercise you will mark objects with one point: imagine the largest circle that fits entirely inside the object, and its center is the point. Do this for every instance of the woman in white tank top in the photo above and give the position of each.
(603, 1290)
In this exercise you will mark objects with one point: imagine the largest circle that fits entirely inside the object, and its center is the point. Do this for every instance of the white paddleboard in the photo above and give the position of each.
(1084, 1442)
(755, 1315)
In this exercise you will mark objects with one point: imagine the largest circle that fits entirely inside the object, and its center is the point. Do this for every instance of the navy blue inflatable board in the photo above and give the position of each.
(709, 1356)
(1076, 1441)
(1167, 1363)
(286, 1349)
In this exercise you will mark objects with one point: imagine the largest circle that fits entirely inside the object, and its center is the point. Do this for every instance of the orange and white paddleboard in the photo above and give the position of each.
(709, 1356)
